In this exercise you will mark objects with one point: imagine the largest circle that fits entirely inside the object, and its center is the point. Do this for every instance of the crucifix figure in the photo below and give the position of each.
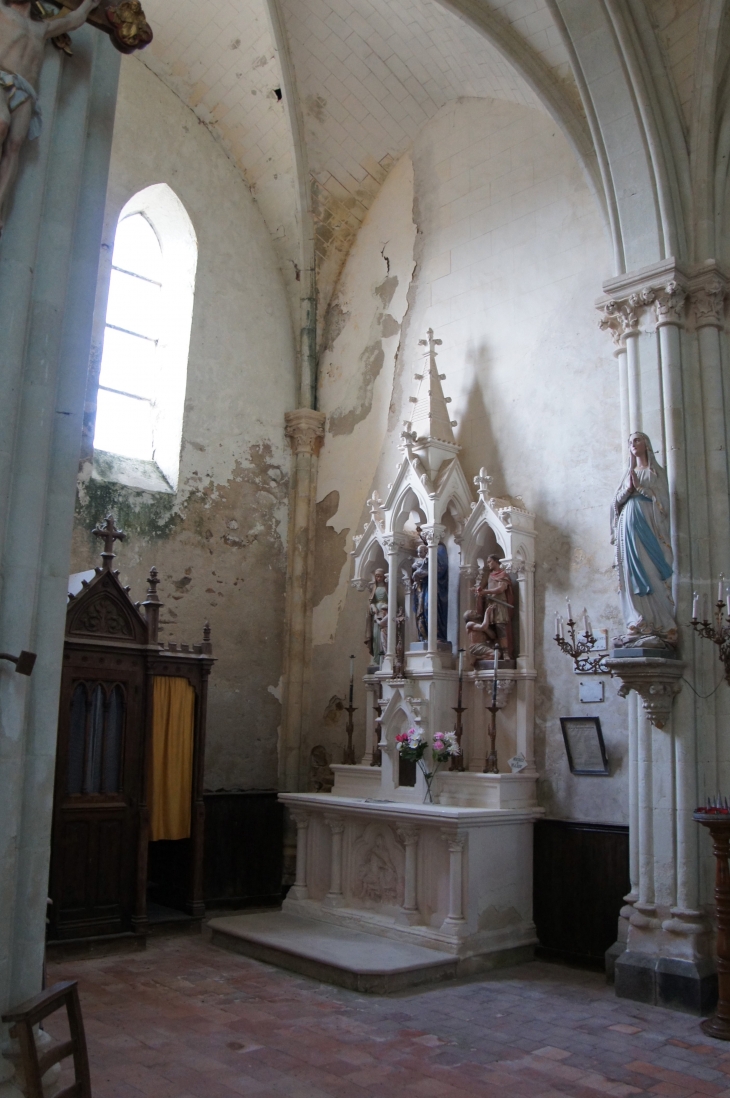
(25, 28)
(110, 534)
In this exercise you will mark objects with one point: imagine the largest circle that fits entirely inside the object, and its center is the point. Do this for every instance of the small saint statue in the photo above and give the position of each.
(376, 628)
(420, 592)
(489, 625)
(22, 42)
(640, 532)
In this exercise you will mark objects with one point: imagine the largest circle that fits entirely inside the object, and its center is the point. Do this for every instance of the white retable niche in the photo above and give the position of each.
(454, 875)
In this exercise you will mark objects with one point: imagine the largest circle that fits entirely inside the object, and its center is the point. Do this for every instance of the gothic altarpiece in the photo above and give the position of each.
(455, 874)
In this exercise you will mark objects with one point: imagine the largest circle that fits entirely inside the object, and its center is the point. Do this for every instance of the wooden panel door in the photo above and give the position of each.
(99, 766)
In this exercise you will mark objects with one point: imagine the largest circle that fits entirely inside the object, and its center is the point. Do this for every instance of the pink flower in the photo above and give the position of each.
(402, 737)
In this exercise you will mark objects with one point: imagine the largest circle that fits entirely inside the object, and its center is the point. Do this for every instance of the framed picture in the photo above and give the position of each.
(584, 745)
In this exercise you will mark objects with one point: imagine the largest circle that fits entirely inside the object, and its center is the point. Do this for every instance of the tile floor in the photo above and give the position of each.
(186, 1020)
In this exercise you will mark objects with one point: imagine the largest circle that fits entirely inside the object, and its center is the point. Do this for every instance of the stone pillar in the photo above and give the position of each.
(372, 689)
(410, 913)
(49, 257)
(298, 891)
(305, 431)
(391, 548)
(455, 920)
(334, 897)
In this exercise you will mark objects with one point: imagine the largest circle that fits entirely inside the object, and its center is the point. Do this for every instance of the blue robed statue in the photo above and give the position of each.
(420, 592)
(640, 532)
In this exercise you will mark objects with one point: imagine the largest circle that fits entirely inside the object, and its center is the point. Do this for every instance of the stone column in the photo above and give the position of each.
(298, 891)
(372, 688)
(391, 548)
(432, 535)
(305, 431)
(410, 913)
(334, 897)
(455, 920)
(49, 257)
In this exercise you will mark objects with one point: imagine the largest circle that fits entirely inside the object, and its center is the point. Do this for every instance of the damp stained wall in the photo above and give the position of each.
(219, 541)
(508, 259)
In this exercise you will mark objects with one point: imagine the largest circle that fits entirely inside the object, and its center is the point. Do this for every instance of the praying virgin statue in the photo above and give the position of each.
(640, 532)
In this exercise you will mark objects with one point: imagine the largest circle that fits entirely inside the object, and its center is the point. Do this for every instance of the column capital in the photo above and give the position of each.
(304, 427)
(433, 533)
(408, 834)
(707, 302)
(669, 304)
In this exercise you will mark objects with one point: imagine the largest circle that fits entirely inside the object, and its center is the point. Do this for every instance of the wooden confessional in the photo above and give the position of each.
(131, 746)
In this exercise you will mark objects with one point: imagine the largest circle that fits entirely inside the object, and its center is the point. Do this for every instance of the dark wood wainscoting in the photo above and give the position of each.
(244, 836)
(581, 874)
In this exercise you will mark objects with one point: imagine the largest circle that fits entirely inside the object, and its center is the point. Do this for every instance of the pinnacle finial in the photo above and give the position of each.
(110, 534)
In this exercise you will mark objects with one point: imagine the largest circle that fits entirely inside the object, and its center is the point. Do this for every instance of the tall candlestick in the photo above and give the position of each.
(352, 676)
(695, 605)
(494, 680)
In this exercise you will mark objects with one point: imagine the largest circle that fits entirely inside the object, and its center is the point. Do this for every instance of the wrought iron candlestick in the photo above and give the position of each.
(578, 649)
(377, 753)
(717, 822)
(348, 757)
(720, 632)
(491, 766)
(457, 761)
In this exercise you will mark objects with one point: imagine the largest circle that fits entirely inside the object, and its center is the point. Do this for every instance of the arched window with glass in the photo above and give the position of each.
(143, 373)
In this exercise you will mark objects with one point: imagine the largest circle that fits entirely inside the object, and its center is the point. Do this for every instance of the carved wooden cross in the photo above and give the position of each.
(124, 22)
(110, 534)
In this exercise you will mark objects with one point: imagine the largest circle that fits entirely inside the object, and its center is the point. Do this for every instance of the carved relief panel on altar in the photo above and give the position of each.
(377, 867)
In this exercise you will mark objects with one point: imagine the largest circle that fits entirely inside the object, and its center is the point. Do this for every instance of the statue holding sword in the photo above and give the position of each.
(490, 625)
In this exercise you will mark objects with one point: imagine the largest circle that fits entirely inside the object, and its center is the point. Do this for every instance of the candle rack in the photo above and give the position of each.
(719, 633)
(579, 650)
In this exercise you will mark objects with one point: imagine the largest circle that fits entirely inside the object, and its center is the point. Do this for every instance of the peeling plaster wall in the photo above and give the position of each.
(510, 254)
(220, 541)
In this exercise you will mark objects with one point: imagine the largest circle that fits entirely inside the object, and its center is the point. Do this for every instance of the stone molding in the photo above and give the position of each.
(304, 427)
(655, 680)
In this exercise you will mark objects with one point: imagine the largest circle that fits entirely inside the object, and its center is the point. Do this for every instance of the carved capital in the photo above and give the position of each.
(621, 317)
(433, 534)
(669, 304)
(336, 824)
(708, 304)
(408, 835)
(456, 842)
(305, 430)
(300, 817)
(655, 680)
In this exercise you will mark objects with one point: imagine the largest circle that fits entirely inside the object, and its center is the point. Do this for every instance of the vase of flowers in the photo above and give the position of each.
(412, 746)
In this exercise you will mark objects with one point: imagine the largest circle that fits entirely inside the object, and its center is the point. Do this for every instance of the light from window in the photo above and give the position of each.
(128, 378)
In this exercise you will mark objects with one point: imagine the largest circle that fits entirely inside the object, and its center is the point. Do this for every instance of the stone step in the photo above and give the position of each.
(334, 954)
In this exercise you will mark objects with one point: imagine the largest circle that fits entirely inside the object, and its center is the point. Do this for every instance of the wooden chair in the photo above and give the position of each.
(29, 1014)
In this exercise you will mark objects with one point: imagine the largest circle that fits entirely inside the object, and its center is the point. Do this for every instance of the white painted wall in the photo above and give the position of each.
(220, 542)
(510, 254)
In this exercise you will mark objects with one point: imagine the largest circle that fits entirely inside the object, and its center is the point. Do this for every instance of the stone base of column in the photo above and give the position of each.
(611, 956)
(685, 985)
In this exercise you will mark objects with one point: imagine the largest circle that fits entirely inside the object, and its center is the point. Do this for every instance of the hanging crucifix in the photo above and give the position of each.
(25, 27)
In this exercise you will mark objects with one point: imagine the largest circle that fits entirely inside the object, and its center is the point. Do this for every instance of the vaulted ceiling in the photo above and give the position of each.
(314, 100)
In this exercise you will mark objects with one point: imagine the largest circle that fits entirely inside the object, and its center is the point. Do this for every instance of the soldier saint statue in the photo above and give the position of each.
(490, 625)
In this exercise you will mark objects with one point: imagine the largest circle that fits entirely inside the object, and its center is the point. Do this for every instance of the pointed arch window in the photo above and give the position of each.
(142, 379)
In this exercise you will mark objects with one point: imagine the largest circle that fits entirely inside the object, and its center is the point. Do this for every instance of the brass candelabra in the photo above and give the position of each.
(579, 649)
(719, 633)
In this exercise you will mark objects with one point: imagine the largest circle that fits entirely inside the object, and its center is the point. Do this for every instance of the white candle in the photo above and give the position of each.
(589, 627)
(585, 621)
(496, 660)
(562, 629)
(570, 612)
(720, 588)
(695, 605)
(461, 664)
(352, 670)
(705, 607)
(557, 624)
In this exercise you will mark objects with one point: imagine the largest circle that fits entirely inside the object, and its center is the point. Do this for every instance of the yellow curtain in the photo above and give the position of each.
(173, 716)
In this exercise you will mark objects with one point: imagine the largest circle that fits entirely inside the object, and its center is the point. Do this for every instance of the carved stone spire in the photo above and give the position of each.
(430, 419)
(428, 438)
(110, 534)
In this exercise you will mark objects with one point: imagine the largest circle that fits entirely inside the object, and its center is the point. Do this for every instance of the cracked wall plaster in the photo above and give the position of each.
(220, 541)
(510, 252)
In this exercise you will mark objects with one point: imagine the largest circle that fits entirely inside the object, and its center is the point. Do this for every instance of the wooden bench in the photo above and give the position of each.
(35, 1066)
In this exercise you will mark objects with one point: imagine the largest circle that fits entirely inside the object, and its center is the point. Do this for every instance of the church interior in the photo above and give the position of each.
(364, 548)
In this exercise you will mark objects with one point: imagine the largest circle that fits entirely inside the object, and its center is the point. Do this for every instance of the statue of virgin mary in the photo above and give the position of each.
(640, 532)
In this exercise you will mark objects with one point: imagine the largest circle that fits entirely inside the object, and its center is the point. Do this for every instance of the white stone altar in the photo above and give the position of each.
(454, 875)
